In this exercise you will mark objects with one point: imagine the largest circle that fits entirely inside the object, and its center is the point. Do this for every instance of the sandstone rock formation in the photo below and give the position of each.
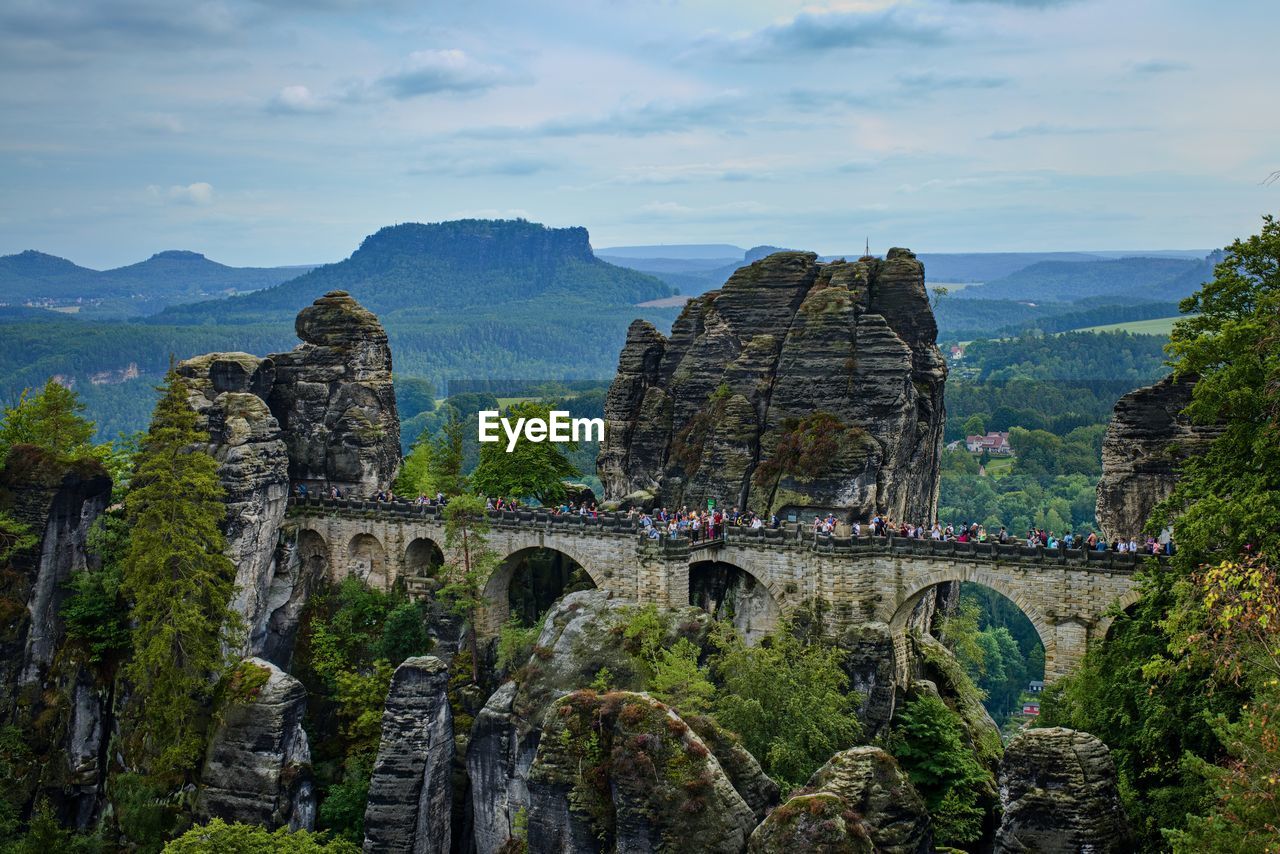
(258, 766)
(411, 791)
(859, 801)
(227, 392)
(581, 639)
(623, 770)
(322, 414)
(333, 398)
(1058, 790)
(1147, 437)
(796, 385)
(64, 713)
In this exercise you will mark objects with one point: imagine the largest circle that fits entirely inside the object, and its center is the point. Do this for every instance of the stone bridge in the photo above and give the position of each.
(1066, 594)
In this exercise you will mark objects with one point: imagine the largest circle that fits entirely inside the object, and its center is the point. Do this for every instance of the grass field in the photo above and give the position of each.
(999, 466)
(1154, 326)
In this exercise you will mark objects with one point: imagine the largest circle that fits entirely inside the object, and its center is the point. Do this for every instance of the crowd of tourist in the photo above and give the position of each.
(710, 524)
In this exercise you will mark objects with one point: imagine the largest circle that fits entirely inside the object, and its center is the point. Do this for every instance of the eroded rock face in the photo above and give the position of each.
(226, 390)
(323, 414)
(581, 639)
(790, 353)
(1147, 438)
(63, 710)
(1058, 790)
(411, 791)
(333, 398)
(624, 770)
(859, 801)
(258, 766)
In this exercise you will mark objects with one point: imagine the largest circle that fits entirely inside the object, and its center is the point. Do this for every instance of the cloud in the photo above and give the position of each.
(102, 26)
(199, 194)
(298, 99)
(677, 212)
(690, 173)
(1045, 129)
(1158, 66)
(649, 118)
(161, 123)
(932, 81)
(428, 72)
(827, 30)
(1023, 4)
(469, 167)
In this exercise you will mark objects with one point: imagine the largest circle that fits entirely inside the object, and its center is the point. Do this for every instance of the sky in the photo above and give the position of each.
(266, 132)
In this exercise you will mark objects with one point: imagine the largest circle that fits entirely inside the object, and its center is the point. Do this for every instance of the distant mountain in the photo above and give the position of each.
(423, 269)
(34, 278)
(1135, 279)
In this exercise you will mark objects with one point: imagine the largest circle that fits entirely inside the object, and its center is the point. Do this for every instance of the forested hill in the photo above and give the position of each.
(1135, 279)
(420, 268)
(142, 288)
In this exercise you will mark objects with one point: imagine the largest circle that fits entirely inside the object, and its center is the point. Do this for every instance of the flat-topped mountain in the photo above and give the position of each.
(447, 266)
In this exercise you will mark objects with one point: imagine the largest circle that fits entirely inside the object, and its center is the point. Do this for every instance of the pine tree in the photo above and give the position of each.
(51, 420)
(180, 584)
(415, 474)
(471, 563)
(445, 466)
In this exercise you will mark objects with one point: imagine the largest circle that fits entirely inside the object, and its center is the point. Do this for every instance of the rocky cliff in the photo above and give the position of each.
(322, 414)
(258, 766)
(333, 398)
(1058, 794)
(1147, 437)
(796, 385)
(63, 711)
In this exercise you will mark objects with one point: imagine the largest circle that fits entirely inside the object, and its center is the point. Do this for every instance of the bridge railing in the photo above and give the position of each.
(1003, 552)
(788, 537)
(604, 523)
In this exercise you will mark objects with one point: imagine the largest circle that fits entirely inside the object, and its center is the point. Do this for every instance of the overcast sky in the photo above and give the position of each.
(284, 131)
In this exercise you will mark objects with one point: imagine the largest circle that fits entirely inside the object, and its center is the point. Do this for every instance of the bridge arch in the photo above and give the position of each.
(423, 558)
(730, 592)
(558, 567)
(367, 560)
(1124, 603)
(313, 554)
(1045, 629)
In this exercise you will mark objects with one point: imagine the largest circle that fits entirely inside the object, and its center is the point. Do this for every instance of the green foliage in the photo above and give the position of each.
(146, 813)
(45, 834)
(679, 681)
(469, 567)
(342, 809)
(788, 701)
(531, 470)
(180, 584)
(444, 467)
(1229, 496)
(219, 837)
(515, 643)
(352, 639)
(928, 742)
(415, 472)
(50, 419)
(15, 537)
(360, 697)
(1149, 723)
(404, 632)
(806, 449)
(95, 611)
(990, 656)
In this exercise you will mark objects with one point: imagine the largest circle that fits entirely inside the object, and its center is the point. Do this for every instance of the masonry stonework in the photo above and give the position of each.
(1066, 595)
